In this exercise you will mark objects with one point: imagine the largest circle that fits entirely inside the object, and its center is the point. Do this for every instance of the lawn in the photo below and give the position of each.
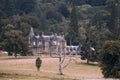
(23, 68)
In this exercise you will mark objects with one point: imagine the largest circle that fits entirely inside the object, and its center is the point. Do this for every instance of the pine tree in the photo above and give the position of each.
(28, 5)
(114, 23)
(9, 7)
(73, 33)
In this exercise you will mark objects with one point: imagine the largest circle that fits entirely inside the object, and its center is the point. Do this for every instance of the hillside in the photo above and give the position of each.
(85, 20)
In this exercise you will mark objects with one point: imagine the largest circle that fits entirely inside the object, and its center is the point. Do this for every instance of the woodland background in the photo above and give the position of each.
(89, 22)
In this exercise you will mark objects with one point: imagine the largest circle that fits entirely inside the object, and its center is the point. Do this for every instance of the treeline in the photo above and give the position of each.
(13, 7)
(86, 20)
(90, 2)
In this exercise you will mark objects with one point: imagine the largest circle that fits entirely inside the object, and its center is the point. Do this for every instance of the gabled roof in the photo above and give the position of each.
(46, 38)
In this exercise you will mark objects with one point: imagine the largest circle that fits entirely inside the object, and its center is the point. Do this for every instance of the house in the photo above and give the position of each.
(53, 43)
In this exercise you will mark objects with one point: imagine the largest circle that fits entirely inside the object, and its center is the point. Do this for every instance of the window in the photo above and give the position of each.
(34, 43)
(39, 43)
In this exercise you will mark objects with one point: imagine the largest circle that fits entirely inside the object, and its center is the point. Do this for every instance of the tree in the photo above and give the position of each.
(82, 34)
(27, 5)
(110, 59)
(73, 33)
(100, 18)
(58, 50)
(14, 41)
(96, 2)
(84, 12)
(2, 14)
(98, 30)
(114, 22)
(76, 2)
(31, 20)
(64, 10)
(91, 2)
(53, 16)
(9, 7)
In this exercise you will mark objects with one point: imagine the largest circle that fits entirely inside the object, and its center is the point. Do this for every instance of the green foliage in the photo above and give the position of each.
(31, 20)
(76, 2)
(9, 8)
(28, 5)
(64, 10)
(113, 6)
(82, 34)
(96, 2)
(110, 59)
(14, 41)
(106, 22)
(60, 16)
(2, 14)
(91, 2)
(52, 15)
(83, 11)
(73, 32)
(13, 7)
(100, 18)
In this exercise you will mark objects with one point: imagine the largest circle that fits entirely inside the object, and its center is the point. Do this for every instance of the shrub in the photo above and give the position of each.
(110, 59)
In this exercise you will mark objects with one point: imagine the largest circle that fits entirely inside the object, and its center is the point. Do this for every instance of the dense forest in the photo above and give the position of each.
(89, 22)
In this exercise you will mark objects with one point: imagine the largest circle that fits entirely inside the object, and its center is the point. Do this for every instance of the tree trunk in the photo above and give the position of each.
(60, 65)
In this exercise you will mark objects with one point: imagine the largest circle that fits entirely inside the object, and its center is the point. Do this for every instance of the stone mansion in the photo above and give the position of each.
(49, 43)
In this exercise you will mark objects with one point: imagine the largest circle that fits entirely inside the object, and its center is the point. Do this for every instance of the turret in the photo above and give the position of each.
(31, 35)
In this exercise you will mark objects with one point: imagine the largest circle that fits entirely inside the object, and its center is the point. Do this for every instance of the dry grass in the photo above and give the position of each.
(24, 69)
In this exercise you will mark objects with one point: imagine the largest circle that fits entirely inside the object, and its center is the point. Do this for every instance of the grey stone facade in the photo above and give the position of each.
(41, 43)
(54, 43)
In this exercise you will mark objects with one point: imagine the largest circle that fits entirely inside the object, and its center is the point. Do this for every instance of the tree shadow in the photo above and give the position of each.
(88, 64)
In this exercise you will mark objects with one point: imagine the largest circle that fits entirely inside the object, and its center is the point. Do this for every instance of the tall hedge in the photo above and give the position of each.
(110, 59)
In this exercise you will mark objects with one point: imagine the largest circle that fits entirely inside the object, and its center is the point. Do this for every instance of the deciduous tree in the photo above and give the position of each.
(14, 41)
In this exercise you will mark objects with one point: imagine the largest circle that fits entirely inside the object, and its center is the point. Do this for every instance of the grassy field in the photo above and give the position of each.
(23, 68)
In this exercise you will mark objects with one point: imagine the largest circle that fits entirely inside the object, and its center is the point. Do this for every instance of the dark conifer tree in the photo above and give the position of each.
(73, 33)
(114, 23)
(9, 7)
(28, 5)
